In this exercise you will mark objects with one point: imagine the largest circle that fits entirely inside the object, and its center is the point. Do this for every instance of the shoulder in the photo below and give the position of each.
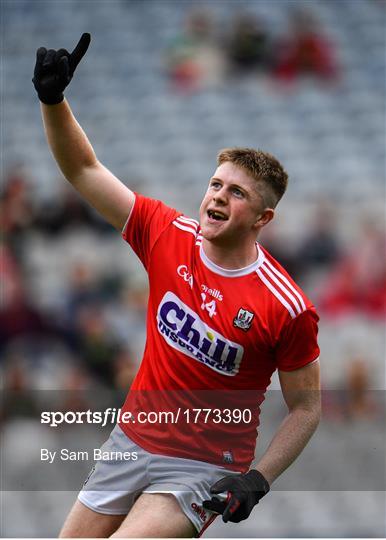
(148, 213)
(284, 292)
(186, 225)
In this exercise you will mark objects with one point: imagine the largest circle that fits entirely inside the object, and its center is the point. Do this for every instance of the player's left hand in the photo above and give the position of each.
(55, 69)
(244, 492)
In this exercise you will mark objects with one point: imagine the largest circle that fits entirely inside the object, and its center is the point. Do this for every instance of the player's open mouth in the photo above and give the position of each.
(217, 216)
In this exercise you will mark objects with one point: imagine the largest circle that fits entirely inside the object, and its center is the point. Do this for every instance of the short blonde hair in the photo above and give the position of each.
(263, 167)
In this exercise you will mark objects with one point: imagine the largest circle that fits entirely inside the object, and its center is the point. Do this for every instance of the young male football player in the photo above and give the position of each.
(223, 315)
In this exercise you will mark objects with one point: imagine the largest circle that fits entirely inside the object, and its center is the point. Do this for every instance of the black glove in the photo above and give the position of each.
(244, 492)
(54, 70)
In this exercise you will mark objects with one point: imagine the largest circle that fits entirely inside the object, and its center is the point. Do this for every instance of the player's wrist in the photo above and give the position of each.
(51, 100)
(258, 483)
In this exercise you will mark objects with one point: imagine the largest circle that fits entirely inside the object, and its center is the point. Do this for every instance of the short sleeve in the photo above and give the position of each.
(147, 221)
(298, 344)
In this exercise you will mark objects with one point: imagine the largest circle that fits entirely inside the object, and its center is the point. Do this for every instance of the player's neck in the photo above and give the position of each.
(230, 259)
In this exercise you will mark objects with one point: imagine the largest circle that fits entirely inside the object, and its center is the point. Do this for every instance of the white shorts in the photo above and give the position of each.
(113, 485)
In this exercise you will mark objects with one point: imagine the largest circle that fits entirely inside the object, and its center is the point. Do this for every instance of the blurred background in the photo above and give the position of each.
(163, 87)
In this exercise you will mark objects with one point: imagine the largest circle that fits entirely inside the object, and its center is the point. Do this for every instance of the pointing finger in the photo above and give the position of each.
(80, 50)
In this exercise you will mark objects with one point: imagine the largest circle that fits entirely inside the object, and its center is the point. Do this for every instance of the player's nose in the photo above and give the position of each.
(220, 196)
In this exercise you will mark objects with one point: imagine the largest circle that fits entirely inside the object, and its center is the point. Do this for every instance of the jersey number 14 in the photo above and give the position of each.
(210, 307)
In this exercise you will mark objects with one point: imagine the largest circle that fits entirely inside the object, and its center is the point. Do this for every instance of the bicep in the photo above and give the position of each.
(301, 387)
(106, 193)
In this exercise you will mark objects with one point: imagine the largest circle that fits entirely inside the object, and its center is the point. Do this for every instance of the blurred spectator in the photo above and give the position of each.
(194, 59)
(305, 51)
(16, 207)
(96, 347)
(125, 369)
(15, 377)
(283, 251)
(319, 248)
(17, 397)
(127, 319)
(68, 210)
(10, 274)
(360, 400)
(354, 400)
(76, 380)
(18, 317)
(248, 44)
(82, 291)
(358, 280)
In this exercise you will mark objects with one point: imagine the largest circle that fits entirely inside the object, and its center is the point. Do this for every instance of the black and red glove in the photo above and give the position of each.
(244, 492)
(55, 69)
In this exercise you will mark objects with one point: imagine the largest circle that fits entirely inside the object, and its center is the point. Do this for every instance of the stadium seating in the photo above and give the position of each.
(332, 141)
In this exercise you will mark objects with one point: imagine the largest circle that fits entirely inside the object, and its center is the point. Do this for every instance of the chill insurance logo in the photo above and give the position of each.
(183, 330)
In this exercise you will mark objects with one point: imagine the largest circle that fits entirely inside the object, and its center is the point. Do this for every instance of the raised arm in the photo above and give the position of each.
(68, 142)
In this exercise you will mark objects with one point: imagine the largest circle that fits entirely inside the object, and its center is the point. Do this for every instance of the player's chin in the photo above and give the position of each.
(211, 233)
(210, 227)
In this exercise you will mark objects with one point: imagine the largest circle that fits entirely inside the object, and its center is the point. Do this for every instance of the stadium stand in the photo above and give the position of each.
(162, 141)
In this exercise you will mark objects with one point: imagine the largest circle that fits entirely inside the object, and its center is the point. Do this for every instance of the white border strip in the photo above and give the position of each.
(184, 228)
(283, 288)
(276, 293)
(129, 216)
(288, 283)
(188, 221)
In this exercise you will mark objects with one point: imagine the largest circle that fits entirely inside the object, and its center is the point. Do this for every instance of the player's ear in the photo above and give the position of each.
(265, 217)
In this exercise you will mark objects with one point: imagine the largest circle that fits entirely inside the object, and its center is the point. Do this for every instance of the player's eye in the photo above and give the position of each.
(215, 185)
(238, 193)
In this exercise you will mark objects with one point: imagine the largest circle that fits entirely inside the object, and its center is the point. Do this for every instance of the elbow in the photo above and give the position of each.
(317, 416)
(318, 408)
(309, 415)
(314, 412)
(76, 175)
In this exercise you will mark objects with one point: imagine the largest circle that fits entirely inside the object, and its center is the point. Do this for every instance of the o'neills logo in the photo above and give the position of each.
(199, 511)
(213, 292)
(183, 330)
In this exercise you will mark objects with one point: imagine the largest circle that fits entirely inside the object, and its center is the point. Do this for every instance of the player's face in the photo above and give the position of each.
(231, 206)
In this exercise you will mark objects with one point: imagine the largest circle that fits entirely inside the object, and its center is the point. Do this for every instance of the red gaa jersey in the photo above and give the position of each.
(214, 338)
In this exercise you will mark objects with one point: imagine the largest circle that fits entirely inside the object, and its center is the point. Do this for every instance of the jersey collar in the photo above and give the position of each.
(226, 272)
